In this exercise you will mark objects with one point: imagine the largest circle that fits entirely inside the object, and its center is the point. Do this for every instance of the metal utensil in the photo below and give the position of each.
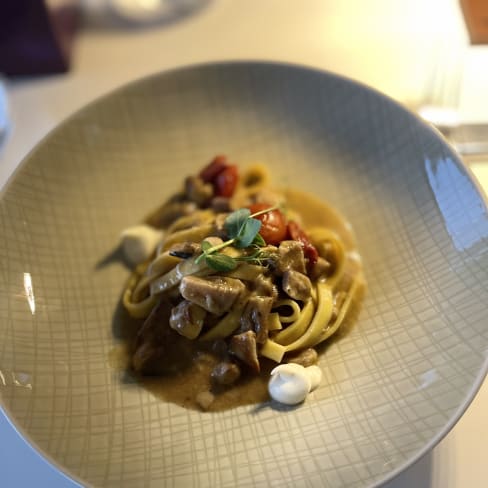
(467, 139)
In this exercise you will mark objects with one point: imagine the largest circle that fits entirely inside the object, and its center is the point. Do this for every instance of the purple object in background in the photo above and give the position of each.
(36, 36)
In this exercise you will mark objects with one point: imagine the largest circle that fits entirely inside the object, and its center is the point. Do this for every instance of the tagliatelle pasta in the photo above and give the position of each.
(240, 278)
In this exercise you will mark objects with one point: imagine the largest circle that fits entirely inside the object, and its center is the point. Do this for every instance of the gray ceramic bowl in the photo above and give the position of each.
(394, 385)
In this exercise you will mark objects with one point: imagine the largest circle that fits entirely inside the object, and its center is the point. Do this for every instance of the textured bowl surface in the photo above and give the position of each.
(394, 385)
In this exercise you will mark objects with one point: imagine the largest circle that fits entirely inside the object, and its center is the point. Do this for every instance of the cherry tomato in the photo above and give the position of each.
(226, 181)
(298, 234)
(273, 223)
(216, 166)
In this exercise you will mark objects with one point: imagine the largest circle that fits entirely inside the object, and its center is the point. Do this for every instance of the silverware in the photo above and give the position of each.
(467, 139)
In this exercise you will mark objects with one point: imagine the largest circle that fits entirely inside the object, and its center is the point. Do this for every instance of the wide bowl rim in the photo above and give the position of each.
(250, 63)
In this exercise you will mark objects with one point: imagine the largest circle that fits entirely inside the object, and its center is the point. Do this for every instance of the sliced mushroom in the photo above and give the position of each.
(184, 250)
(225, 373)
(290, 257)
(264, 286)
(305, 358)
(255, 317)
(243, 346)
(216, 294)
(320, 268)
(187, 319)
(296, 285)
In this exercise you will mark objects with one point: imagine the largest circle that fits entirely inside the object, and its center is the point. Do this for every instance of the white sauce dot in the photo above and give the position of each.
(139, 242)
(315, 375)
(290, 383)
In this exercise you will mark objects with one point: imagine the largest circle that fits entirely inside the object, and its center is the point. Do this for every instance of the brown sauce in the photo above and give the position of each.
(182, 387)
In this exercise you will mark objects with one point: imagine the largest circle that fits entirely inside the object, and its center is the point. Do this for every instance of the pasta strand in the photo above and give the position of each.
(288, 302)
(321, 317)
(228, 324)
(332, 328)
(295, 330)
(321, 236)
(193, 234)
(173, 277)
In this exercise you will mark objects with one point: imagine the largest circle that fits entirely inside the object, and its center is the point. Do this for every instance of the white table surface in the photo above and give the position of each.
(402, 48)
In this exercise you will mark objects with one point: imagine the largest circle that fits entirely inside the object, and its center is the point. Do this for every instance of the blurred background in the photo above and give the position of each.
(431, 56)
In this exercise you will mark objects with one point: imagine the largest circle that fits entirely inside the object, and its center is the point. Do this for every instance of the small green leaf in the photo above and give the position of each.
(259, 241)
(220, 262)
(248, 233)
(235, 222)
(206, 246)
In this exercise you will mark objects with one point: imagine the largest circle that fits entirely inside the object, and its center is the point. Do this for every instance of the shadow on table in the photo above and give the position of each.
(418, 475)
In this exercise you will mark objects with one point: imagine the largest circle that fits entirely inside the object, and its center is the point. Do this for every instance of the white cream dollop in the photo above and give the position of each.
(315, 375)
(290, 383)
(139, 242)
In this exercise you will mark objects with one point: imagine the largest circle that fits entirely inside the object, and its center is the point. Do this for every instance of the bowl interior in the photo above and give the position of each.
(394, 385)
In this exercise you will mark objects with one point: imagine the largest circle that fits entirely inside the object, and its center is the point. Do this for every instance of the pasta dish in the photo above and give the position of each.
(232, 277)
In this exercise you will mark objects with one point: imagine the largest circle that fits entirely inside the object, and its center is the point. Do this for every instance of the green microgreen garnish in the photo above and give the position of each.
(243, 231)
(259, 241)
(220, 262)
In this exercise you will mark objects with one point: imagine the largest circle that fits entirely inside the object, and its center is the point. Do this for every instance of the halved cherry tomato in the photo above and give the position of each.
(273, 223)
(216, 166)
(298, 234)
(226, 181)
